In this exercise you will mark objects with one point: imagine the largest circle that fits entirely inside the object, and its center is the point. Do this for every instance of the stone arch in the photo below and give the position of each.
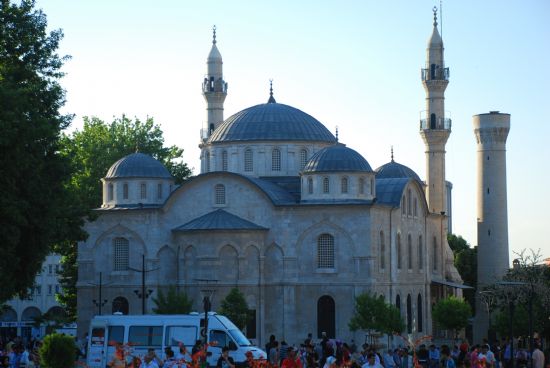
(252, 263)
(326, 316)
(189, 264)
(273, 263)
(56, 311)
(8, 315)
(120, 305)
(104, 248)
(167, 265)
(31, 314)
(228, 269)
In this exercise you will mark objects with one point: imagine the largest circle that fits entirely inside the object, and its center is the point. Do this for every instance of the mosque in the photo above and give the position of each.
(281, 209)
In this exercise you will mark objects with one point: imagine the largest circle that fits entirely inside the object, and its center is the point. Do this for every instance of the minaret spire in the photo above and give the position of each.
(391, 153)
(214, 89)
(271, 98)
(434, 10)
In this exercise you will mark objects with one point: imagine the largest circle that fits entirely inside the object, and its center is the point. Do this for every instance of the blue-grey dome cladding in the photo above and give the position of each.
(337, 158)
(138, 165)
(394, 170)
(271, 122)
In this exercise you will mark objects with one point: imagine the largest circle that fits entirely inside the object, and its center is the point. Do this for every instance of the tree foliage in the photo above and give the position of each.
(92, 151)
(173, 302)
(36, 211)
(234, 307)
(373, 313)
(57, 351)
(465, 261)
(452, 313)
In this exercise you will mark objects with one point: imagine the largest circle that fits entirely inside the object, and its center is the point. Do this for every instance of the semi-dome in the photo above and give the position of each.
(393, 170)
(337, 158)
(138, 165)
(271, 122)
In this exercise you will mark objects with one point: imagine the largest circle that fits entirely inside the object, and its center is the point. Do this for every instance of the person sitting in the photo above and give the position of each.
(225, 361)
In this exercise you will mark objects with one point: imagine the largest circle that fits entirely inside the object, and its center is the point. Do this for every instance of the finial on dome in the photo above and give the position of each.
(391, 153)
(336, 133)
(435, 15)
(271, 98)
(214, 34)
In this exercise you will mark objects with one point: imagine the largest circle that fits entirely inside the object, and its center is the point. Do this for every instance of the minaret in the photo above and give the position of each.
(214, 90)
(491, 131)
(435, 128)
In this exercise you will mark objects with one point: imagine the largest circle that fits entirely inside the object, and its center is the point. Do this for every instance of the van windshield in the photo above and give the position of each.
(239, 338)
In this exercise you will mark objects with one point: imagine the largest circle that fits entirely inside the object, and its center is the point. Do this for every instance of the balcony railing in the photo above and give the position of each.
(435, 124)
(435, 73)
(211, 85)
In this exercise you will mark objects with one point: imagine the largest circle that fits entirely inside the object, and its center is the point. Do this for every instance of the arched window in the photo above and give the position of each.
(326, 317)
(409, 315)
(325, 251)
(121, 254)
(382, 251)
(110, 191)
(120, 305)
(344, 185)
(310, 185)
(224, 161)
(399, 251)
(398, 303)
(415, 208)
(303, 159)
(435, 253)
(159, 190)
(275, 160)
(219, 190)
(361, 186)
(409, 252)
(371, 186)
(409, 199)
(125, 191)
(207, 161)
(403, 204)
(326, 185)
(419, 318)
(420, 254)
(248, 160)
(143, 190)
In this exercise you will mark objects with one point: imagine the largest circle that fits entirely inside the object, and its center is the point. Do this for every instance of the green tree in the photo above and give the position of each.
(373, 313)
(452, 313)
(92, 151)
(36, 211)
(173, 302)
(57, 351)
(465, 261)
(234, 307)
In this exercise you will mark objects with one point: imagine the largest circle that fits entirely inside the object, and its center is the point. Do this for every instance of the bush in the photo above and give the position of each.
(57, 351)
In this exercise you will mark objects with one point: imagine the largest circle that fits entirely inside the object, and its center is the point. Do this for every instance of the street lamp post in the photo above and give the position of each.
(143, 294)
(488, 298)
(100, 302)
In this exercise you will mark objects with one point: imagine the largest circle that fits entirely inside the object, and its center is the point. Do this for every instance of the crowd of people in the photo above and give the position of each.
(16, 353)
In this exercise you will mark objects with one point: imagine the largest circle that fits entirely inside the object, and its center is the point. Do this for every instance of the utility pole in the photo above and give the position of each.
(100, 302)
(143, 294)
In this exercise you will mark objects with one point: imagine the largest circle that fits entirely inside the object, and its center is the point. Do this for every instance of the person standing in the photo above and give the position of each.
(292, 360)
(538, 357)
(225, 361)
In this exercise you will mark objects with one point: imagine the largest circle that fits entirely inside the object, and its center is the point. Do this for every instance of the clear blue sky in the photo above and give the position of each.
(351, 64)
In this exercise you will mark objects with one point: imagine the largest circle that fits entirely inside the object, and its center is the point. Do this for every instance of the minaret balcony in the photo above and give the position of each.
(211, 85)
(435, 73)
(435, 124)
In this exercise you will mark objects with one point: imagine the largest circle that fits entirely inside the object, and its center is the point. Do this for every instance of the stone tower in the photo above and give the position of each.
(491, 131)
(434, 127)
(214, 90)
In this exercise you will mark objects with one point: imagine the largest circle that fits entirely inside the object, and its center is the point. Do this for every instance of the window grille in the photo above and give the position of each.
(121, 254)
(220, 194)
(143, 191)
(325, 251)
(207, 161)
(303, 159)
(276, 160)
(344, 185)
(224, 161)
(326, 185)
(248, 160)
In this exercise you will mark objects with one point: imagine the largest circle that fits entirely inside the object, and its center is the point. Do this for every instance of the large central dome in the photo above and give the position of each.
(271, 122)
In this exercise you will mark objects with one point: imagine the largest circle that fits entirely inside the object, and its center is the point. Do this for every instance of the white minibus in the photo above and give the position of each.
(139, 333)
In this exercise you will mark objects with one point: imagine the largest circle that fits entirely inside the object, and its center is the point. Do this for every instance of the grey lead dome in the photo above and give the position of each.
(337, 158)
(138, 165)
(271, 122)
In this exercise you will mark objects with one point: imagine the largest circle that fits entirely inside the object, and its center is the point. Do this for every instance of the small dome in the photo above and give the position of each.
(393, 170)
(138, 165)
(337, 158)
(271, 122)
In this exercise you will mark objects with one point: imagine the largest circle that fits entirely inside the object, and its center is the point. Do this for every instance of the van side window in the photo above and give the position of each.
(98, 336)
(220, 337)
(149, 336)
(176, 335)
(116, 334)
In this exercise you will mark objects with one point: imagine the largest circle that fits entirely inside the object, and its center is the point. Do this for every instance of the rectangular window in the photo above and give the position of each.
(145, 336)
(50, 289)
(325, 251)
(220, 194)
(143, 191)
(57, 289)
(176, 335)
(248, 160)
(159, 191)
(39, 290)
(116, 334)
(50, 268)
(220, 337)
(56, 269)
(125, 191)
(121, 254)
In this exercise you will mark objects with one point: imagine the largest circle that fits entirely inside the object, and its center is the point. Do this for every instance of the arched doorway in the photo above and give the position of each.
(326, 317)
(419, 317)
(120, 305)
(409, 315)
(29, 316)
(8, 315)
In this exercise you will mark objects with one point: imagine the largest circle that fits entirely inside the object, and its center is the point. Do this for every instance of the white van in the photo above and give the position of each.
(142, 332)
